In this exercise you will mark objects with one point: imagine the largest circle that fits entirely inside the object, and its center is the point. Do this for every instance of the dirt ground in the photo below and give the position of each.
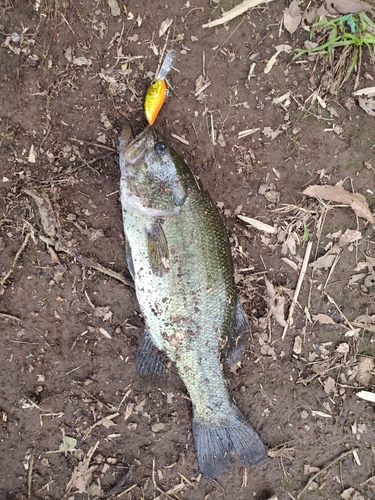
(77, 422)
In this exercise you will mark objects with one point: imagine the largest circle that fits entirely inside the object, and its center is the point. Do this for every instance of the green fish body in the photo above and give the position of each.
(180, 258)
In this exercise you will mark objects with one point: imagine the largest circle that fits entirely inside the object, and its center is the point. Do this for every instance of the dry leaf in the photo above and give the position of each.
(257, 224)
(128, 411)
(343, 348)
(365, 318)
(68, 444)
(366, 395)
(164, 26)
(107, 422)
(114, 6)
(350, 6)
(105, 333)
(355, 278)
(82, 473)
(365, 367)
(82, 61)
(367, 91)
(367, 105)
(47, 215)
(292, 17)
(308, 469)
(95, 234)
(325, 261)
(69, 54)
(323, 319)
(32, 157)
(339, 195)
(349, 236)
(159, 426)
(269, 132)
(276, 303)
(347, 494)
(329, 385)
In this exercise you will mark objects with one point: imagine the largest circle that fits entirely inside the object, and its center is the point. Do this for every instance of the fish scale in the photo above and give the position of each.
(180, 257)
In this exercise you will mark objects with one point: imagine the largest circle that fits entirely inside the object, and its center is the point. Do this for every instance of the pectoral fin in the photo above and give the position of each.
(236, 344)
(157, 247)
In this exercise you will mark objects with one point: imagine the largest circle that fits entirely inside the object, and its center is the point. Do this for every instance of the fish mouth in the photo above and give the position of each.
(133, 148)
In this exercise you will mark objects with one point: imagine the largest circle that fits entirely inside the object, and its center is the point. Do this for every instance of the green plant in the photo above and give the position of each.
(352, 32)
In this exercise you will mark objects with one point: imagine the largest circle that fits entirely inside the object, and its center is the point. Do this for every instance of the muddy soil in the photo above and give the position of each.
(76, 420)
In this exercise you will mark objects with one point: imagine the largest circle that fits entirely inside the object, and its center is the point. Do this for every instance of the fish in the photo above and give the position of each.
(157, 90)
(179, 255)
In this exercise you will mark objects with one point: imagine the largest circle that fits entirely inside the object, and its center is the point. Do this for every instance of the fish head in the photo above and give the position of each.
(155, 180)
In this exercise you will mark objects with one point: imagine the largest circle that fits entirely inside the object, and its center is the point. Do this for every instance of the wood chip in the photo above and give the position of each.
(181, 139)
(247, 132)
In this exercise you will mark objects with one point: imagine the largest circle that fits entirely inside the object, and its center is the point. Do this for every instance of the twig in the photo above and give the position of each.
(10, 316)
(88, 143)
(30, 475)
(61, 247)
(331, 270)
(18, 254)
(317, 474)
(54, 238)
(341, 313)
(236, 11)
(110, 408)
(100, 422)
(298, 287)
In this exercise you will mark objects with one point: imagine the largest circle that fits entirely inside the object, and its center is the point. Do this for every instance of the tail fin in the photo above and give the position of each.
(217, 443)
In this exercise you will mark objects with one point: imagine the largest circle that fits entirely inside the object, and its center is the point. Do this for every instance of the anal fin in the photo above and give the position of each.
(150, 361)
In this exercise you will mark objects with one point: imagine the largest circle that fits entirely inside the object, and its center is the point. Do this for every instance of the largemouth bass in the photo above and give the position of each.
(179, 256)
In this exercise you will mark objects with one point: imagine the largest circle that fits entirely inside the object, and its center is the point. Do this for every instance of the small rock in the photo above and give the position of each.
(15, 37)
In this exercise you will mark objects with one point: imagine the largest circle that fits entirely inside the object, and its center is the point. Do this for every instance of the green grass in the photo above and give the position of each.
(350, 32)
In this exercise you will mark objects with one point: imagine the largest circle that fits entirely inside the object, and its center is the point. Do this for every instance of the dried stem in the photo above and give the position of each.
(337, 459)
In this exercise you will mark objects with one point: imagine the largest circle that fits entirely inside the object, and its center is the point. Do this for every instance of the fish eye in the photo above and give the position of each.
(153, 82)
(160, 147)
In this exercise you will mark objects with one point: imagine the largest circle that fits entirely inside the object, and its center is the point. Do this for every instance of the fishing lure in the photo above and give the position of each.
(157, 90)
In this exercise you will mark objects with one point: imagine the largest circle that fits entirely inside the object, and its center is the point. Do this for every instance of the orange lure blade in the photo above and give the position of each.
(157, 90)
